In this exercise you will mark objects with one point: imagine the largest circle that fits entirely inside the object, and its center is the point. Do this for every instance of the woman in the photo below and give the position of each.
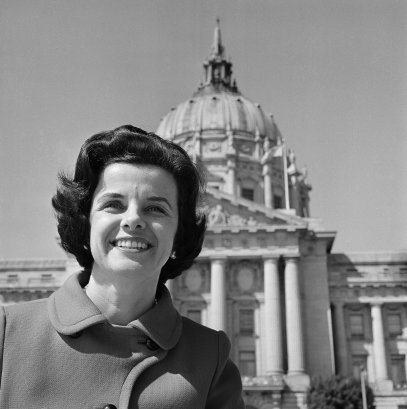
(110, 336)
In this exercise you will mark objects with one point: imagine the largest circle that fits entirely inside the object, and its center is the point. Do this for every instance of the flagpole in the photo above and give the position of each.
(287, 193)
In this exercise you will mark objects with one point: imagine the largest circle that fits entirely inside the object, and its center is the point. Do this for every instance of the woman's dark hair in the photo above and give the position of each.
(129, 144)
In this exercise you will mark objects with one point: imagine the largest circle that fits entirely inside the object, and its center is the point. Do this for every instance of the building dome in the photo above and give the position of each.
(218, 106)
(214, 109)
(239, 145)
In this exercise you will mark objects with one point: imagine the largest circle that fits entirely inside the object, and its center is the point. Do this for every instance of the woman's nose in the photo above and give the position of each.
(132, 220)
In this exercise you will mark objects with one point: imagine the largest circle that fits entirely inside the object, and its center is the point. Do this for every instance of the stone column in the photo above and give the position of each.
(231, 177)
(218, 295)
(272, 318)
(295, 339)
(268, 191)
(340, 339)
(379, 349)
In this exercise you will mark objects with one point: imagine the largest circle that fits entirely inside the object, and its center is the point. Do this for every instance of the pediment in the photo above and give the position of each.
(227, 211)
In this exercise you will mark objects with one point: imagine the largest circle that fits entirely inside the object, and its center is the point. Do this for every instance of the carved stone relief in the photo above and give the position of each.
(196, 279)
(246, 148)
(193, 279)
(245, 277)
(214, 146)
(218, 216)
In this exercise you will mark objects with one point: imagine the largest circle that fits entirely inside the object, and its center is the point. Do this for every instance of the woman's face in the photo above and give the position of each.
(133, 221)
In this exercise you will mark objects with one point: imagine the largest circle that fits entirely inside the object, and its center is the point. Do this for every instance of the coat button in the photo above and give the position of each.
(151, 345)
(109, 406)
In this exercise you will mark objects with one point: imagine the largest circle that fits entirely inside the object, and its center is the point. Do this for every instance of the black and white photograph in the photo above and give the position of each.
(203, 204)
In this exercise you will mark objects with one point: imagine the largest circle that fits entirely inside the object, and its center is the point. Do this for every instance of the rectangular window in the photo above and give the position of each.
(398, 371)
(356, 325)
(246, 321)
(247, 363)
(394, 324)
(277, 202)
(248, 194)
(195, 315)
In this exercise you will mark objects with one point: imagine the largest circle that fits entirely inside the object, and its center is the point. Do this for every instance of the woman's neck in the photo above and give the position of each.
(122, 301)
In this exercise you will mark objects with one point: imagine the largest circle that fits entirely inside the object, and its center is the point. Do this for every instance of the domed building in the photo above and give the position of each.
(266, 274)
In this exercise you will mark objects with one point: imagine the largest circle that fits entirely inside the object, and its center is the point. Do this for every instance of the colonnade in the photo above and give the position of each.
(273, 328)
(378, 341)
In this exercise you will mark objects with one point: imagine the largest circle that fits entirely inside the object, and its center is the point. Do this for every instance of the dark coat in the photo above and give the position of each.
(62, 353)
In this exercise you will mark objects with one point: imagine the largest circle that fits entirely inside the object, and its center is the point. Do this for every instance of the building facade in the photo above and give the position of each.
(266, 275)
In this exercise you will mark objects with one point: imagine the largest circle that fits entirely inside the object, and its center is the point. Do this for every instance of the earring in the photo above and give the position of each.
(173, 255)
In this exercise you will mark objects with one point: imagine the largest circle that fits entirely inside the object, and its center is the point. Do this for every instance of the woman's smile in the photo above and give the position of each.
(131, 244)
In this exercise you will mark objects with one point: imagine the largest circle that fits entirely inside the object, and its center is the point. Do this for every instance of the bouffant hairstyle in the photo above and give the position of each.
(128, 144)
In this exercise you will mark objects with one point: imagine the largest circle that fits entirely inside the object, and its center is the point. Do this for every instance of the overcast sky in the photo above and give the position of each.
(333, 73)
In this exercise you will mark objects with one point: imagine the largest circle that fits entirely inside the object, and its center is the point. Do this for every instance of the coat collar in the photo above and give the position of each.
(71, 311)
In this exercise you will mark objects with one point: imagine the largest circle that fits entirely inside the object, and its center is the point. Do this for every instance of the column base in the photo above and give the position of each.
(297, 381)
(384, 385)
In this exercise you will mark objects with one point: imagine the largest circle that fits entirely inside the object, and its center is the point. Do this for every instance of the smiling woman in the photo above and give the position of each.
(110, 337)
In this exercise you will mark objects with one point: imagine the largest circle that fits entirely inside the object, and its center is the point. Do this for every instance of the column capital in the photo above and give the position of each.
(294, 258)
(273, 258)
(219, 260)
(376, 303)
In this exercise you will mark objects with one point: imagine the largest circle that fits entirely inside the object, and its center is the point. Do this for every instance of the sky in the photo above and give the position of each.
(333, 73)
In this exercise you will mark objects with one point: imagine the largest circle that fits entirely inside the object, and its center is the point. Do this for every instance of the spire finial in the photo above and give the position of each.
(217, 47)
(217, 68)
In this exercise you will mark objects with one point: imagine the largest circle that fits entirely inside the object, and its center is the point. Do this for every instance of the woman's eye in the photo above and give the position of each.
(156, 209)
(113, 205)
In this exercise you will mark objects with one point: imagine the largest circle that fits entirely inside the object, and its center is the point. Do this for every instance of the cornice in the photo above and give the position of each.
(260, 228)
(32, 264)
(369, 258)
(240, 253)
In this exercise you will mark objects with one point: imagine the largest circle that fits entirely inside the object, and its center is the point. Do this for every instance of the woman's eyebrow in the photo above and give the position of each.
(109, 195)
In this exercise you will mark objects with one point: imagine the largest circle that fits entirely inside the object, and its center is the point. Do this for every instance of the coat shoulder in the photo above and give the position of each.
(194, 331)
(194, 327)
(23, 317)
(27, 309)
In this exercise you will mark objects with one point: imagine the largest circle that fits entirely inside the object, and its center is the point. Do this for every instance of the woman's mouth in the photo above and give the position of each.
(131, 244)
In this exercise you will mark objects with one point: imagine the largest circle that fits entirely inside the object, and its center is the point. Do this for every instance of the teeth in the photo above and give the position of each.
(131, 244)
